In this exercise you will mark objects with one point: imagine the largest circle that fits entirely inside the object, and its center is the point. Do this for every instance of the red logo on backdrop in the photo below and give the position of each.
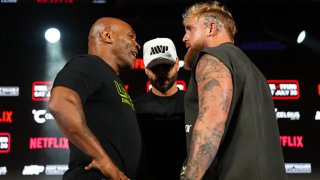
(139, 64)
(180, 84)
(41, 90)
(284, 89)
(5, 139)
(292, 141)
(48, 143)
(6, 117)
(319, 89)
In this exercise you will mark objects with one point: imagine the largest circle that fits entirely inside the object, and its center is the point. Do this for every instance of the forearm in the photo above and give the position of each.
(66, 107)
(203, 149)
(73, 126)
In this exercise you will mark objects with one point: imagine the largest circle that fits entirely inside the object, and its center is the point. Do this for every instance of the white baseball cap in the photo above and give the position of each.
(159, 51)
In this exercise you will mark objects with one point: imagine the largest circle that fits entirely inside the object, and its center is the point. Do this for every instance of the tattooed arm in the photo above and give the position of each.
(215, 93)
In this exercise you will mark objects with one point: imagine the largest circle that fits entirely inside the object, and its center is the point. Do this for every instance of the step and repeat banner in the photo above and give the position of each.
(31, 145)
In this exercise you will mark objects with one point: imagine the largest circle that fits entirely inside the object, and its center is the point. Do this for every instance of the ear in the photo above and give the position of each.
(146, 70)
(177, 64)
(212, 29)
(106, 35)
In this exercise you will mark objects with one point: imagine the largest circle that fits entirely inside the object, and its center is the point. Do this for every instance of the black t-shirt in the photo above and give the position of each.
(108, 109)
(250, 148)
(161, 121)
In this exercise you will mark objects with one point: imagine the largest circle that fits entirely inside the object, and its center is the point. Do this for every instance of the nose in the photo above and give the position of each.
(184, 39)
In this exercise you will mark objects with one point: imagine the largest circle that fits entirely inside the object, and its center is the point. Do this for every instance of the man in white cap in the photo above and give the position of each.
(160, 113)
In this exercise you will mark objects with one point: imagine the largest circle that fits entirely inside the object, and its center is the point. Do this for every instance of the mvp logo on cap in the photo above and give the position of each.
(159, 51)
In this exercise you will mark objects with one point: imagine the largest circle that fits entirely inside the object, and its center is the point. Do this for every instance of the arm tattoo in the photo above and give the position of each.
(213, 78)
(225, 101)
(200, 159)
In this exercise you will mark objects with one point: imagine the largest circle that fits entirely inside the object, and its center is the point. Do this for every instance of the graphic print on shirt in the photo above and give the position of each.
(123, 94)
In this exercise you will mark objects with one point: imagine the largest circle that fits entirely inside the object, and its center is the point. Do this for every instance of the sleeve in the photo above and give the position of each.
(81, 75)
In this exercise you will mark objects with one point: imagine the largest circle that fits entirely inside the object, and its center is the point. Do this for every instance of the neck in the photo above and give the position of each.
(106, 57)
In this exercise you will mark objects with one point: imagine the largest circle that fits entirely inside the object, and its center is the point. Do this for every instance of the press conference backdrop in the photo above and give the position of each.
(31, 145)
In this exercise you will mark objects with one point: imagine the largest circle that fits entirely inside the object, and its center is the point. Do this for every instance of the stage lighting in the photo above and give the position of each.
(52, 35)
(301, 37)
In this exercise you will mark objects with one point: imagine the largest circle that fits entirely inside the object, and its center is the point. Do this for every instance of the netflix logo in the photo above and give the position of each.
(292, 141)
(48, 143)
(6, 116)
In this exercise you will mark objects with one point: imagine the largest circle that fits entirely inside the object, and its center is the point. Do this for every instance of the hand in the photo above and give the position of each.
(108, 169)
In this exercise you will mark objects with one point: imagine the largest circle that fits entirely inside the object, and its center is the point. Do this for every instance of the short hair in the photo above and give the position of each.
(211, 9)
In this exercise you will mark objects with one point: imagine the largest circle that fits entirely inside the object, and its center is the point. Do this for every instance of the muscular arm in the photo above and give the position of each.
(66, 108)
(215, 93)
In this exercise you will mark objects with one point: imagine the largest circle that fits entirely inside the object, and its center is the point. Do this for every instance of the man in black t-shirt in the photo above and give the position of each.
(94, 111)
(160, 113)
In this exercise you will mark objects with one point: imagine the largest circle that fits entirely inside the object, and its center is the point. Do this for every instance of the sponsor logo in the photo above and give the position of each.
(41, 116)
(5, 139)
(319, 89)
(317, 116)
(6, 117)
(140, 65)
(9, 1)
(3, 170)
(48, 143)
(9, 91)
(284, 89)
(125, 98)
(32, 170)
(292, 115)
(56, 169)
(180, 84)
(41, 90)
(292, 141)
(298, 167)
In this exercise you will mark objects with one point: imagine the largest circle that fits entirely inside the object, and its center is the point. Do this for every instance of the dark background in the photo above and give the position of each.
(267, 33)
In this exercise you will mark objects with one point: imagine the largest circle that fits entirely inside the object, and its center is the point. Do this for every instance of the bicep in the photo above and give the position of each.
(65, 105)
(214, 90)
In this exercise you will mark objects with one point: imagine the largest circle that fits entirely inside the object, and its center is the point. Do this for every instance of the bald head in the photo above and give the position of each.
(114, 41)
(105, 23)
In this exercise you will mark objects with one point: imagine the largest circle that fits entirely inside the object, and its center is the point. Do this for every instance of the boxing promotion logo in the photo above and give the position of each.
(284, 89)
(5, 140)
(41, 90)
